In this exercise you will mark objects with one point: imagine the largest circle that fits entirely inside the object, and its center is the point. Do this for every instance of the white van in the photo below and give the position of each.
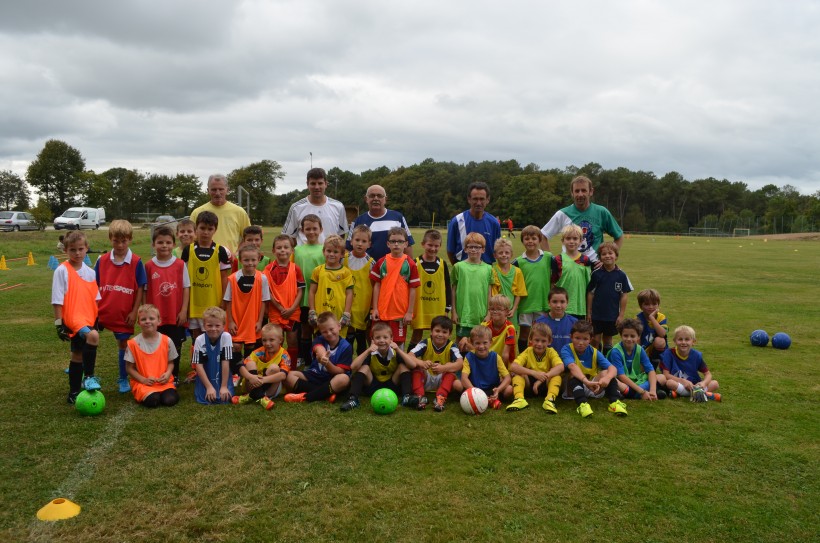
(75, 218)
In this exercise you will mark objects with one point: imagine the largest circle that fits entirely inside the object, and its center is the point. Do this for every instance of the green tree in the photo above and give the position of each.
(127, 186)
(97, 189)
(42, 212)
(186, 194)
(14, 193)
(259, 179)
(56, 174)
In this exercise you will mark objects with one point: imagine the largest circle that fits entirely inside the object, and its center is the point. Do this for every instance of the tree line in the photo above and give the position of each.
(423, 192)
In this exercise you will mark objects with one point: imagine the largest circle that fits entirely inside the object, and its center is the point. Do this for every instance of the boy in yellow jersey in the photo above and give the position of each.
(537, 371)
(503, 331)
(208, 267)
(266, 369)
(591, 374)
(287, 285)
(383, 365)
(360, 263)
(74, 296)
(508, 279)
(395, 280)
(433, 297)
(438, 362)
(331, 285)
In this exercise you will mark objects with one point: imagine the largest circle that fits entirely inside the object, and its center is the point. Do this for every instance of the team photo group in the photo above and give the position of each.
(335, 311)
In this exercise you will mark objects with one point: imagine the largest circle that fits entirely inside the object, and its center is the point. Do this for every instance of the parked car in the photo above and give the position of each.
(163, 220)
(17, 220)
(75, 218)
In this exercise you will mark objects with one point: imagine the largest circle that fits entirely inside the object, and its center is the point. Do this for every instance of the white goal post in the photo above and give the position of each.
(741, 232)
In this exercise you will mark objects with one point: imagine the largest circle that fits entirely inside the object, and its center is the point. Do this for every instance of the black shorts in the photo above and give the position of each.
(376, 385)
(175, 333)
(606, 328)
(77, 342)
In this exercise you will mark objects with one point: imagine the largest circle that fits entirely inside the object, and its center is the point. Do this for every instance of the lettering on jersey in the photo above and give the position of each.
(118, 288)
(167, 288)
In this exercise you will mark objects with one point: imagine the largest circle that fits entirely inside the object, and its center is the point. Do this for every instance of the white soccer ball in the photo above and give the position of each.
(474, 401)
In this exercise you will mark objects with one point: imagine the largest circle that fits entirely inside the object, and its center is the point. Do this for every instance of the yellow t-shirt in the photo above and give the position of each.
(232, 222)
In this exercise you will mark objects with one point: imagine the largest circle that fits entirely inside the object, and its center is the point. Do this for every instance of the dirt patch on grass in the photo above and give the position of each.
(801, 236)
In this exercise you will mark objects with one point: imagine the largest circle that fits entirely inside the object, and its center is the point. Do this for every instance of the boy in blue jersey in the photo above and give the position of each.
(591, 374)
(329, 373)
(655, 326)
(607, 296)
(682, 366)
(635, 372)
(484, 369)
(382, 365)
(561, 323)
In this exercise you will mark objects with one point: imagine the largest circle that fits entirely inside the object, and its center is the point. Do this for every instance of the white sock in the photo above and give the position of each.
(682, 390)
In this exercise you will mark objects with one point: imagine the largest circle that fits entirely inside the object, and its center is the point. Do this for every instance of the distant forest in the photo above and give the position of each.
(423, 192)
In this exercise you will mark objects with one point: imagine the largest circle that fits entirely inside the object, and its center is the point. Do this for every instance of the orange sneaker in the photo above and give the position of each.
(332, 398)
(295, 397)
(495, 404)
(267, 403)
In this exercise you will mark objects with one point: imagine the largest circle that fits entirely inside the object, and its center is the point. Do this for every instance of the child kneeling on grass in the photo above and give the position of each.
(591, 374)
(382, 365)
(149, 362)
(484, 369)
(537, 371)
(264, 371)
(438, 362)
(211, 360)
(329, 373)
(682, 365)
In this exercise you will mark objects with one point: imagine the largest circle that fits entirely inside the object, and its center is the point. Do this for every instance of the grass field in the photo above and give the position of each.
(745, 469)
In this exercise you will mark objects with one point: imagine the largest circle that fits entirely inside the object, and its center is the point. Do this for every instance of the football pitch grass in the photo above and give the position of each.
(745, 469)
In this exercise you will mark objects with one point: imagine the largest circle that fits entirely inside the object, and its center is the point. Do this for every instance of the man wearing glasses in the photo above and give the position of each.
(380, 220)
(476, 220)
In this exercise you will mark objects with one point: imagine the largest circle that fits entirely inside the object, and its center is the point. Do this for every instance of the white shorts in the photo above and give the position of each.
(195, 324)
(526, 319)
(432, 382)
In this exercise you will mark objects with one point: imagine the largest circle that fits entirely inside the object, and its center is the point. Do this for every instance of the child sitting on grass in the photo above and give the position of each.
(437, 361)
(484, 369)
(329, 374)
(635, 372)
(682, 366)
(149, 361)
(537, 371)
(655, 326)
(591, 374)
(264, 371)
(213, 352)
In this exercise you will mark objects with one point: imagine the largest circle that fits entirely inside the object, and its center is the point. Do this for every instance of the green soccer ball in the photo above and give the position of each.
(384, 401)
(90, 403)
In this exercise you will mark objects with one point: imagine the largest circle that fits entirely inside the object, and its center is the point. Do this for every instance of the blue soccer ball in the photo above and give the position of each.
(759, 338)
(781, 340)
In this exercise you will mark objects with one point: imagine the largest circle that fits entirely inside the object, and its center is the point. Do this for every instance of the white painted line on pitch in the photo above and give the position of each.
(84, 469)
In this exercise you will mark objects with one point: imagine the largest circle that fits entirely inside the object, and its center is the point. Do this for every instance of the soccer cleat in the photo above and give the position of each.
(518, 404)
(91, 384)
(351, 404)
(495, 404)
(440, 403)
(618, 407)
(661, 394)
(296, 397)
(673, 395)
(236, 379)
(176, 382)
(585, 410)
(408, 400)
(72, 397)
(331, 398)
(549, 406)
(241, 400)
(266, 402)
(422, 403)
(123, 385)
(191, 377)
(713, 396)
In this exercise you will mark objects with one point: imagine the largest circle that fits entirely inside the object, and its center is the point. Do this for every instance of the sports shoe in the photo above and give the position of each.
(191, 377)
(440, 404)
(408, 400)
(618, 407)
(494, 404)
(422, 403)
(176, 382)
(518, 404)
(266, 402)
(241, 400)
(72, 397)
(674, 394)
(296, 397)
(661, 394)
(351, 404)
(331, 398)
(713, 396)
(549, 406)
(236, 379)
(585, 410)
(123, 385)
(92, 383)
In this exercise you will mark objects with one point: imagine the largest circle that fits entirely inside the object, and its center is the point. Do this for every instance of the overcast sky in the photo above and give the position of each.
(720, 88)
